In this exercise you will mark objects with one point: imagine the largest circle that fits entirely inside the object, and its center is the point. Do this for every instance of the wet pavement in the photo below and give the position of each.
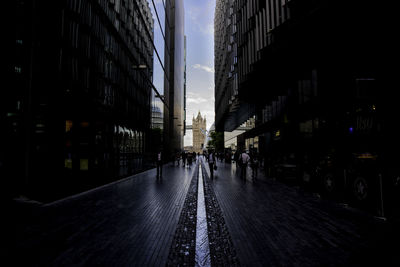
(273, 224)
(128, 223)
(135, 221)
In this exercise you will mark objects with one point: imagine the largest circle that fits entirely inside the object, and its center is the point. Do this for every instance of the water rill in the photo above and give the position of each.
(202, 255)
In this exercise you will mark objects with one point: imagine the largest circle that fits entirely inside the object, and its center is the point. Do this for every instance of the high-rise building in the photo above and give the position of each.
(79, 112)
(313, 74)
(184, 89)
(199, 133)
(268, 50)
(174, 62)
(230, 110)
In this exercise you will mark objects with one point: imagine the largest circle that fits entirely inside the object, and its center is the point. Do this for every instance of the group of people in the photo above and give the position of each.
(187, 158)
(242, 160)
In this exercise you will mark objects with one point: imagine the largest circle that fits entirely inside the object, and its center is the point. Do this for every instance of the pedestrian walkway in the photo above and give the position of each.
(127, 223)
(135, 222)
(272, 224)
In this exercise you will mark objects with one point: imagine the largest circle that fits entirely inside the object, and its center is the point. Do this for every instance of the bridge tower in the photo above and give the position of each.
(199, 133)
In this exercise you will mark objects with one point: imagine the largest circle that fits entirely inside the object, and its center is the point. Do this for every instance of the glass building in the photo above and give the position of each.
(313, 74)
(79, 113)
(174, 94)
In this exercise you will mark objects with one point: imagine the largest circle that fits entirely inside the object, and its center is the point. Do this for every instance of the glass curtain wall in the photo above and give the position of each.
(158, 8)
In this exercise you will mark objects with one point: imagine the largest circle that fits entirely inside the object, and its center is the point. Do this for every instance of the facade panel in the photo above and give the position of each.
(174, 84)
(300, 69)
(85, 103)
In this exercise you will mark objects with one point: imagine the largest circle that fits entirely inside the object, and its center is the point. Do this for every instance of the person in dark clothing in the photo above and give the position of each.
(177, 158)
(211, 162)
(189, 159)
(244, 159)
(183, 158)
(159, 165)
(236, 157)
(254, 163)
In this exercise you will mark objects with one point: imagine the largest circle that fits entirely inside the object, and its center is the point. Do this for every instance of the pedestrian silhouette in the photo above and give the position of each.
(254, 163)
(244, 159)
(159, 165)
(211, 162)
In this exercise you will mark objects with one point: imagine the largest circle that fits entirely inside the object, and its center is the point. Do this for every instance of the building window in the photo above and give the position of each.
(68, 126)
(17, 69)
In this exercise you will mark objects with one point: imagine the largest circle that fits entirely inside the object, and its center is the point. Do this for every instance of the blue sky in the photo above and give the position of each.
(199, 31)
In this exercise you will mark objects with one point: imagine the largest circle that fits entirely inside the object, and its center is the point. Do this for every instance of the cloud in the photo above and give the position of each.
(209, 29)
(202, 16)
(197, 100)
(203, 67)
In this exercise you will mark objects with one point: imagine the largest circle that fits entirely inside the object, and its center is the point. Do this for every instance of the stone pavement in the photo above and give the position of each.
(127, 223)
(272, 224)
(133, 222)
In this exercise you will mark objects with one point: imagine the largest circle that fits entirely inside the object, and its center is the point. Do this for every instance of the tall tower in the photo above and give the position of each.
(174, 116)
(199, 133)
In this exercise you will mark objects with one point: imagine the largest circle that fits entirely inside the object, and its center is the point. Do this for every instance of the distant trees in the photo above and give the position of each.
(216, 141)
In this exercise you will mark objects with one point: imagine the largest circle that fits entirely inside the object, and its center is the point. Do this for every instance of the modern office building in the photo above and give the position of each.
(313, 74)
(231, 137)
(174, 83)
(270, 55)
(224, 61)
(184, 88)
(268, 50)
(230, 109)
(79, 111)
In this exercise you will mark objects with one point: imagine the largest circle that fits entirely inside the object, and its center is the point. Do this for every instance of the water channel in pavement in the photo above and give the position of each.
(202, 257)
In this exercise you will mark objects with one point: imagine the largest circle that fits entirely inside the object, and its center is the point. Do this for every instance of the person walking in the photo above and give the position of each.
(177, 158)
(244, 159)
(236, 158)
(254, 163)
(189, 159)
(183, 158)
(211, 162)
(159, 165)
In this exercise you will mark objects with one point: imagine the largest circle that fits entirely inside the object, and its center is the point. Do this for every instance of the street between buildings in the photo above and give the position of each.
(136, 221)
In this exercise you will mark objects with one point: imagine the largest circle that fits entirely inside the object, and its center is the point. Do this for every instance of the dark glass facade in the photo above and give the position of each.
(157, 101)
(79, 110)
(174, 115)
(315, 75)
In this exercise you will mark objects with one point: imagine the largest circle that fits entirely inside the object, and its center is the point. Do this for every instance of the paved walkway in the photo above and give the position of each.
(272, 224)
(132, 223)
(128, 223)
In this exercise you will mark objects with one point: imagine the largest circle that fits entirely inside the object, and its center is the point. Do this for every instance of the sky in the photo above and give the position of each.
(199, 31)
